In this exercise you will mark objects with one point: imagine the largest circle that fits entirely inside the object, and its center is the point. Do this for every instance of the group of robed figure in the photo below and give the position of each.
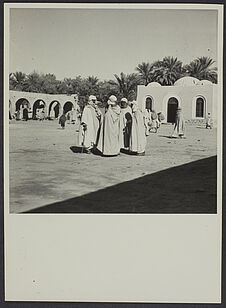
(119, 128)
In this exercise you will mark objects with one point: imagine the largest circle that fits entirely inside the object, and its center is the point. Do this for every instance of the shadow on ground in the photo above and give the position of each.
(189, 188)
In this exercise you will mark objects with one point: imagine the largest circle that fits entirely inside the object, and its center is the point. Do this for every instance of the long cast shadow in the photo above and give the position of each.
(186, 189)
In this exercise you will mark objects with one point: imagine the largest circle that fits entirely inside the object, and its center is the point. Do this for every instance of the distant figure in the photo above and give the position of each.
(68, 116)
(41, 114)
(52, 113)
(25, 114)
(209, 121)
(62, 120)
(155, 122)
(73, 116)
(78, 116)
(109, 141)
(21, 112)
(179, 127)
(147, 117)
(90, 124)
(160, 118)
(125, 124)
(138, 137)
(18, 115)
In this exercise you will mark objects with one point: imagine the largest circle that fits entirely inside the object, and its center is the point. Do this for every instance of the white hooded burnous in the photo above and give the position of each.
(138, 138)
(90, 124)
(109, 141)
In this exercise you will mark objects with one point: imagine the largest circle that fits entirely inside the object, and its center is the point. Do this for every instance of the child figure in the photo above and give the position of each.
(209, 121)
(62, 120)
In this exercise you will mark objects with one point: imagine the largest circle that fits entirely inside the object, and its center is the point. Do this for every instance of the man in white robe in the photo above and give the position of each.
(179, 127)
(138, 138)
(109, 141)
(90, 124)
(147, 117)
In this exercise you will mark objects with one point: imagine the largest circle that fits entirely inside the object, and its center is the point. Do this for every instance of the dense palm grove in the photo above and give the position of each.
(165, 72)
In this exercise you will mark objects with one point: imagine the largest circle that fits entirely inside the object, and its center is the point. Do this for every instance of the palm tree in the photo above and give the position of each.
(144, 70)
(125, 84)
(201, 68)
(92, 84)
(167, 71)
(33, 83)
(16, 81)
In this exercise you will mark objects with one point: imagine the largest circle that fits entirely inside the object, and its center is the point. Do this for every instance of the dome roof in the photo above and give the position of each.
(187, 81)
(205, 82)
(154, 84)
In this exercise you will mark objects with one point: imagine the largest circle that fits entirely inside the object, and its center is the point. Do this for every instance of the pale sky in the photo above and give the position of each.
(103, 42)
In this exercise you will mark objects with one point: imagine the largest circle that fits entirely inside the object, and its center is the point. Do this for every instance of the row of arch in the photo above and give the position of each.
(26, 110)
(173, 103)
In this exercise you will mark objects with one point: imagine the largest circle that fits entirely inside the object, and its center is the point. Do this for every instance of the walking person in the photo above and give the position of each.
(62, 120)
(209, 121)
(179, 127)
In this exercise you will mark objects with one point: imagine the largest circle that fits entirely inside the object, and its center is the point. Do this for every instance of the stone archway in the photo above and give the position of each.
(38, 111)
(22, 102)
(22, 107)
(54, 109)
(67, 106)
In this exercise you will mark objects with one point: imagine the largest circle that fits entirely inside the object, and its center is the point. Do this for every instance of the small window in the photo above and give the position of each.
(199, 107)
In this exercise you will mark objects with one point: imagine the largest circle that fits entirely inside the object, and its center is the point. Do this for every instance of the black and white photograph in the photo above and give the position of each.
(113, 111)
(113, 127)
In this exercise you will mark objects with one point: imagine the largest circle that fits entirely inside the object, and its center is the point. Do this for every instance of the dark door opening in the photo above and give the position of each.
(67, 107)
(54, 110)
(199, 107)
(172, 109)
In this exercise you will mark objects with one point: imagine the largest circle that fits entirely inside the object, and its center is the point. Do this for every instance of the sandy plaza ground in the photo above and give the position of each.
(175, 176)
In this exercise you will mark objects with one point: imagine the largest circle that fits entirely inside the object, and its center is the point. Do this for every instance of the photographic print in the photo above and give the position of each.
(112, 116)
(113, 152)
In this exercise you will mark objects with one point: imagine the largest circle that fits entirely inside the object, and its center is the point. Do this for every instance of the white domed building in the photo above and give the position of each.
(154, 84)
(196, 98)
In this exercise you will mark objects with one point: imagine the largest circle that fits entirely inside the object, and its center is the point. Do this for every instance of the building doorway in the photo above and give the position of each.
(172, 109)
(200, 107)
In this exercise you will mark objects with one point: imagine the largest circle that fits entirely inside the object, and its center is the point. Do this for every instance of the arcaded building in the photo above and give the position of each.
(196, 98)
(52, 105)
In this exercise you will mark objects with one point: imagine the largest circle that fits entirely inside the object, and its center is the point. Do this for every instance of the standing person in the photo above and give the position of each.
(62, 120)
(73, 116)
(154, 118)
(147, 118)
(125, 124)
(209, 121)
(160, 118)
(179, 127)
(25, 114)
(90, 124)
(109, 141)
(138, 137)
